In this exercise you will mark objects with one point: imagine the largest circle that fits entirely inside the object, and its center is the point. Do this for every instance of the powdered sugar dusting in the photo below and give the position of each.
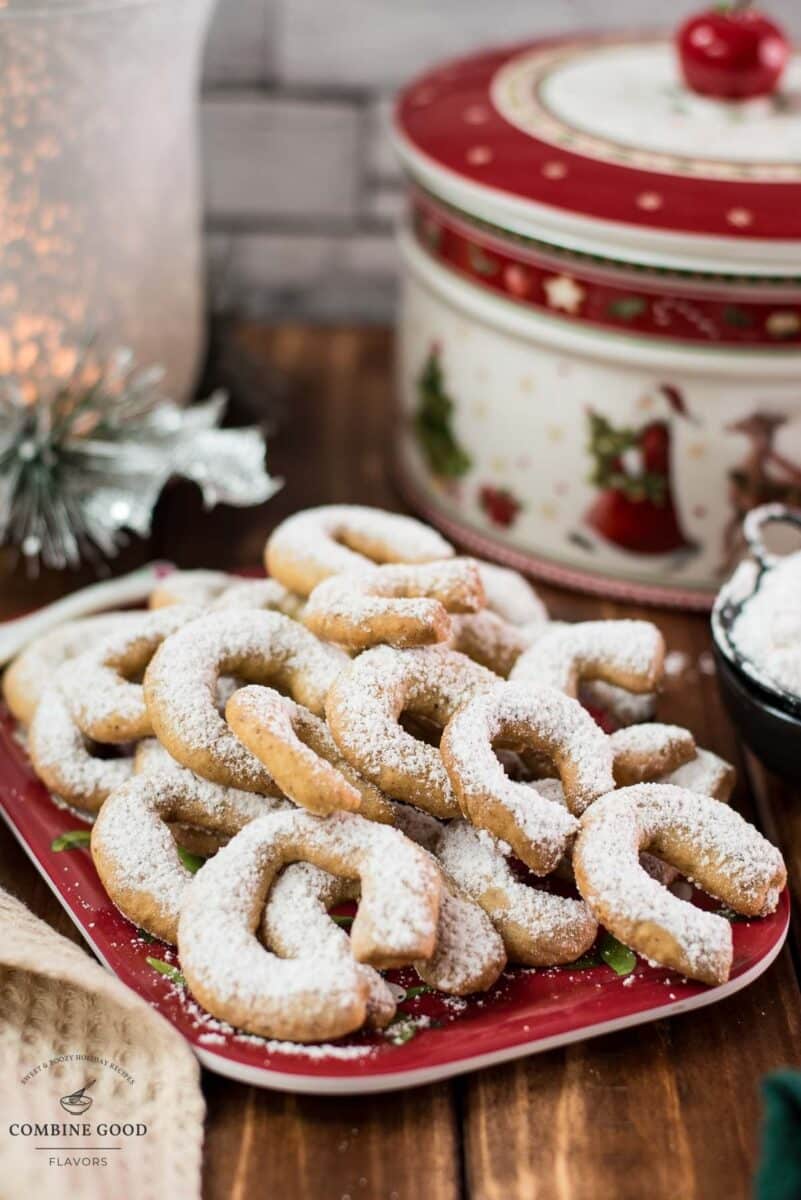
(139, 858)
(392, 603)
(366, 701)
(296, 924)
(32, 671)
(335, 538)
(626, 653)
(478, 863)
(511, 596)
(259, 647)
(548, 721)
(103, 695)
(728, 857)
(307, 999)
(706, 773)
(62, 755)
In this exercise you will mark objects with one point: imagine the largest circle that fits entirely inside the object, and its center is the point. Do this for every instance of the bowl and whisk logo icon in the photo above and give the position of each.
(78, 1102)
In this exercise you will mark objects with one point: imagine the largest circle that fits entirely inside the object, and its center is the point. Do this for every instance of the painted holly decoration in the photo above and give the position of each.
(732, 52)
(499, 504)
(631, 468)
(433, 422)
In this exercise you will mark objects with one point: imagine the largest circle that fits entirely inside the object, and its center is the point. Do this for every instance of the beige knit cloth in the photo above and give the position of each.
(55, 1000)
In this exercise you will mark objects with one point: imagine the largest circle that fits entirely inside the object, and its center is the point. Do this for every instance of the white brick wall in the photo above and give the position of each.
(302, 189)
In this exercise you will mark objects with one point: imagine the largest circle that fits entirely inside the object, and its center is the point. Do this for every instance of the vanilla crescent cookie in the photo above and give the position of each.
(199, 587)
(301, 755)
(514, 616)
(308, 999)
(216, 589)
(541, 719)
(397, 604)
(637, 762)
(363, 710)
(260, 593)
(108, 703)
(707, 841)
(135, 853)
(469, 954)
(538, 928)
(63, 756)
(311, 545)
(706, 773)
(629, 654)
(31, 672)
(645, 752)
(296, 924)
(150, 758)
(255, 647)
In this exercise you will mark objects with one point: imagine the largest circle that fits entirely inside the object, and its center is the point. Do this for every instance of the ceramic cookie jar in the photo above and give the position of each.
(600, 334)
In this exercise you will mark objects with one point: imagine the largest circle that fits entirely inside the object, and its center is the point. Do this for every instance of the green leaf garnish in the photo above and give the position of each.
(730, 915)
(400, 1032)
(192, 862)
(73, 839)
(345, 922)
(616, 955)
(422, 990)
(163, 968)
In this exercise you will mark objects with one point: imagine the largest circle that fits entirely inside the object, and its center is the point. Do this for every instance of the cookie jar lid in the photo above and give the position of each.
(595, 145)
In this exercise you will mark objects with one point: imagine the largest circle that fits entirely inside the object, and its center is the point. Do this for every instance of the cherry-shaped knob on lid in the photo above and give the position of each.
(732, 52)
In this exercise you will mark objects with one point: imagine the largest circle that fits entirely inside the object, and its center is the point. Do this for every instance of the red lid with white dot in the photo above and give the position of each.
(596, 145)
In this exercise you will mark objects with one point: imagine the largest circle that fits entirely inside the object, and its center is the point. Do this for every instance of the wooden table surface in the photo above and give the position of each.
(668, 1110)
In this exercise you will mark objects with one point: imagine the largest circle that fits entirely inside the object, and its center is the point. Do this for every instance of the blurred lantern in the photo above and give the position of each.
(99, 206)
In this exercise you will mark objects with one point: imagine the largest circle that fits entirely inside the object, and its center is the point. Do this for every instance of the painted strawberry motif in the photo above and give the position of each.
(500, 505)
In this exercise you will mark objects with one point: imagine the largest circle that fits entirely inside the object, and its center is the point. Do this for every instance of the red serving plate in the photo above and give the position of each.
(527, 1011)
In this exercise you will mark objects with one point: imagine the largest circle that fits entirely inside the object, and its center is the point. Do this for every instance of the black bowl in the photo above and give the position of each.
(773, 734)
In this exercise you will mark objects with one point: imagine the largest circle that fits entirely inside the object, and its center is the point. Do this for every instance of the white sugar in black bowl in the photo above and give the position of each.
(760, 699)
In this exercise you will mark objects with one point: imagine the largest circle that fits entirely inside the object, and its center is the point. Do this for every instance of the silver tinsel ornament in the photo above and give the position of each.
(82, 466)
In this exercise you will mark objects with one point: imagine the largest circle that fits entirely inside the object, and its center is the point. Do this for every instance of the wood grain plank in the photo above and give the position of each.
(395, 1147)
(668, 1111)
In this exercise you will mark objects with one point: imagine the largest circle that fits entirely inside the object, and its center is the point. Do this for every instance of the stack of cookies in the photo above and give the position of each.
(383, 722)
